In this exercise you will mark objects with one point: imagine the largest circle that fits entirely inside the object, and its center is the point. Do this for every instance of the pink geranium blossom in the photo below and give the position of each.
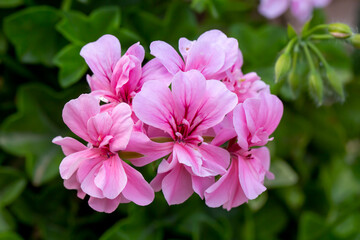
(213, 53)
(244, 179)
(256, 119)
(118, 78)
(184, 113)
(96, 169)
(301, 9)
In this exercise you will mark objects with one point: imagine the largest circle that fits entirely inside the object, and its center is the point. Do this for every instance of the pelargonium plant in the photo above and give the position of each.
(198, 115)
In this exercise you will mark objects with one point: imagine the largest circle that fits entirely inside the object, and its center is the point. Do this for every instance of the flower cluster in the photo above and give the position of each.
(197, 114)
(300, 9)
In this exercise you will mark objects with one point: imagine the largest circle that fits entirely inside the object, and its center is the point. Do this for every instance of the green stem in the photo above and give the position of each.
(290, 45)
(318, 54)
(66, 5)
(314, 29)
(321, 37)
(308, 56)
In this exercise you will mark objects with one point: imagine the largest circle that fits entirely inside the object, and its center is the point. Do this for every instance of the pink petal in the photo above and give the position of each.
(105, 204)
(229, 46)
(154, 106)
(122, 127)
(73, 183)
(127, 74)
(188, 89)
(88, 185)
(216, 103)
(137, 189)
(155, 70)
(215, 159)
(226, 191)
(137, 51)
(240, 126)
(321, 3)
(273, 8)
(167, 56)
(185, 46)
(99, 126)
(102, 55)
(205, 58)
(200, 184)
(275, 110)
(192, 158)
(252, 172)
(224, 131)
(157, 181)
(70, 164)
(98, 84)
(69, 145)
(111, 178)
(77, 112)
(177, 186)
(152, 151)
(301, 9)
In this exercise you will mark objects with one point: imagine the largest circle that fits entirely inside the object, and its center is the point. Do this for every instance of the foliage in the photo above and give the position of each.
(315, 157)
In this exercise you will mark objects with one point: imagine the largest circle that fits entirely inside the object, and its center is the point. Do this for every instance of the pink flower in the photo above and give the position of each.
(118, 78)
(244, 179)
(96, 169)
(184, 113)
(213, 53)
(301, 9)
(244, 86)
(256, 119)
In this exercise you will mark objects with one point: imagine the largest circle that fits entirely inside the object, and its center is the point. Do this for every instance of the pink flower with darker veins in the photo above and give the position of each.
(301, 9)
(185, 113)
(253, 121)
(96, 169)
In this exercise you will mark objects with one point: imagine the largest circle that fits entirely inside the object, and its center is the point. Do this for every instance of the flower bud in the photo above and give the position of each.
(355, 40)
(282, 66)
(316, 86)
(339, 30)
(335, 82)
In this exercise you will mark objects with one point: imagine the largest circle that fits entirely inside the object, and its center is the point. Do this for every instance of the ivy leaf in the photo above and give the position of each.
(29, 132)
(81, 29)
(72, 65)
(32, 32)
(12, 183)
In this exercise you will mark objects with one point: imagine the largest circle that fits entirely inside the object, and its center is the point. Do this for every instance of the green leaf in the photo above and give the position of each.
(135, 227)
(80, 29)
(29, 132)
(12, 183)
(10, 236)
(32, 32)
(72, 65)
(11, 3)
(7, 222)
(312, 226)
(284, 175)
(291, 33)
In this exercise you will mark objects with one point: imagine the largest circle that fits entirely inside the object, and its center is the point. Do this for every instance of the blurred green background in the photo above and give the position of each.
(315, 154)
